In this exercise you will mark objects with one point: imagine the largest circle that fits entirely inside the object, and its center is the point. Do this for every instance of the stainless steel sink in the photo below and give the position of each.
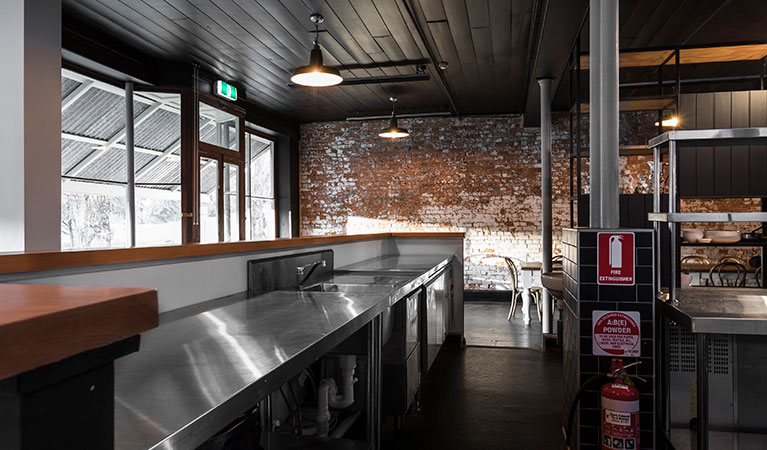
(387, 325)
(347, 287)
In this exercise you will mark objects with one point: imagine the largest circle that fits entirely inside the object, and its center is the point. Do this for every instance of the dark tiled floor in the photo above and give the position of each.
(485, 325)
(486, 398)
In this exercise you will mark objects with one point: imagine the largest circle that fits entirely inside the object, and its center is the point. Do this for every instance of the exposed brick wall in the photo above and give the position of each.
(479, 175)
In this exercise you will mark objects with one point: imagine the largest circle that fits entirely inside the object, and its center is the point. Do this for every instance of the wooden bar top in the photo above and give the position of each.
(42, 324)
(35, 261)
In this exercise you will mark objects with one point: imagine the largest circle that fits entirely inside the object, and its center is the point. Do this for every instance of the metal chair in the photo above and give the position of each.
(758, 276)
(731, 259)
(740, 277)
(696, 259)
(516, 291)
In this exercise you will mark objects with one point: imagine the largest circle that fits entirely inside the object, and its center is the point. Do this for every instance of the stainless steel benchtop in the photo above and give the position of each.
(398, 263)
(720, 310)
(196, 373)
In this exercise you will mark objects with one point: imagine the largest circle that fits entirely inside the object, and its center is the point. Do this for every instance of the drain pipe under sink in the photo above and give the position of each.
(327, 393)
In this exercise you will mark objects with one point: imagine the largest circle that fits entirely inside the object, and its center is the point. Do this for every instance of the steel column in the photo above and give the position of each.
(608, 110)
(595, 120)
(673, 207)
(130, 190)
(701, 343)
(374, 383)
(545, 84)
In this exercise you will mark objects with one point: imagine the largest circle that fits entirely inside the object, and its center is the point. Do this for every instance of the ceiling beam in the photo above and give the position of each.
(96, 154)
(101, 142)
(151, 165)
(410, 17)
(555, 32)
(78, 92)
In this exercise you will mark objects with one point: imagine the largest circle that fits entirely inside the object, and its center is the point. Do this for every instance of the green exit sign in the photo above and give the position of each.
(226, 90)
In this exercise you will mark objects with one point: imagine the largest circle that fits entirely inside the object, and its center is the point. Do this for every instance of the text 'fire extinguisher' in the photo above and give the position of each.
(620, 410)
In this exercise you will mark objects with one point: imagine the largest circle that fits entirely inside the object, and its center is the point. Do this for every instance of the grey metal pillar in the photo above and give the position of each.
(130, 190)
(374, 383)
(595, 158)
(545, 84)
(608, 110)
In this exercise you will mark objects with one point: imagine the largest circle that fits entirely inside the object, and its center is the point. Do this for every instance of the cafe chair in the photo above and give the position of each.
(758, 277)
(715, 275)
(516, 290)
(696, 259)
(731, 259)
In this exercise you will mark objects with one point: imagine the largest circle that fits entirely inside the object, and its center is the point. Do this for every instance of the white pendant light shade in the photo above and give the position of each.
(316, 74)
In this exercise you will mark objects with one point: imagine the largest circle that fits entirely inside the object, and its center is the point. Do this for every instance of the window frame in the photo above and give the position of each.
(275, 183)
(224, 155)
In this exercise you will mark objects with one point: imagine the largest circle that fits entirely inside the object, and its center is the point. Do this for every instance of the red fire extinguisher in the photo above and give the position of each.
(620, 411)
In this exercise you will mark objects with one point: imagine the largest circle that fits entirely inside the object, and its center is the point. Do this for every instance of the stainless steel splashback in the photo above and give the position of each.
(279, 273)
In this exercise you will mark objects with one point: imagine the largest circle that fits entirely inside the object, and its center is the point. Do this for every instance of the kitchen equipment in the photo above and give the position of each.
(723, 236)
(753, 236)
(704, 240)
(692, 235)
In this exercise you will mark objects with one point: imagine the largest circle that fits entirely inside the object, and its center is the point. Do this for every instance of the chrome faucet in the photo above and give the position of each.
(304, 272)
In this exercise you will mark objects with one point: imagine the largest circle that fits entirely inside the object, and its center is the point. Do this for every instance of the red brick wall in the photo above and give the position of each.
(479, 175)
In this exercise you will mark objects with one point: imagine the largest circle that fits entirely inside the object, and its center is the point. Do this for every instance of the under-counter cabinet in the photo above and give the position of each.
(401, 357)
(436, 314)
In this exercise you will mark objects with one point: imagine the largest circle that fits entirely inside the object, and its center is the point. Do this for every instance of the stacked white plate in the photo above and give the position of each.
(723, 236)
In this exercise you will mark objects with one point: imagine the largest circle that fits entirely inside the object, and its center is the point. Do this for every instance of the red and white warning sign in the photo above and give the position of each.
(615, 333)
(615, 258)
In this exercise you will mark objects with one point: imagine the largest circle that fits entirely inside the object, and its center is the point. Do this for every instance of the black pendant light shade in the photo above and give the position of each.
(316, 74)
(393, 131)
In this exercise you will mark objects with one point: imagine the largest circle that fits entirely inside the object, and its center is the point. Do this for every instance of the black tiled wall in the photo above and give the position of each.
(582, 296)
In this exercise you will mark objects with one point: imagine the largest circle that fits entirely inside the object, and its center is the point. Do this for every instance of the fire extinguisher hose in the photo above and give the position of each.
(574, 406)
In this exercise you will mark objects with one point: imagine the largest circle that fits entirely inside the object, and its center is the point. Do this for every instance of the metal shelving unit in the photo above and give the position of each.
(674, 140)
(693, 138)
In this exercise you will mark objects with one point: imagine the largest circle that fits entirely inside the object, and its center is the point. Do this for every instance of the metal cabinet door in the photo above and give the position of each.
(412, 325)
(435, 318)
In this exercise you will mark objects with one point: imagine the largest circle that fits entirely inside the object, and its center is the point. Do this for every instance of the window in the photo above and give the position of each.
(94, 165)
(208, 200)
(219, 127)
(260, 220)
(231, 203)
(235, 177)
(158, 173)
(220, 168)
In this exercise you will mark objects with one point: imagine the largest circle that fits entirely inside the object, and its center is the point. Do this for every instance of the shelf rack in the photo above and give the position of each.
(693, 138)
(668, 87)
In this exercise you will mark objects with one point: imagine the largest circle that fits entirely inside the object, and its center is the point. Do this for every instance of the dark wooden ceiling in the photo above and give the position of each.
(495, 49)
(258, 43)
(667, 24)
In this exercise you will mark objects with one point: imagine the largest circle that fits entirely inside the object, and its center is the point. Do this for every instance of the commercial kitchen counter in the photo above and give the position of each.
(197, 373)
(705, 312)
(720, 310)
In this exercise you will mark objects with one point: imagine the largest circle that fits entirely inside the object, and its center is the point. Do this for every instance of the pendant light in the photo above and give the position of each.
(316, 74)
(393, 131)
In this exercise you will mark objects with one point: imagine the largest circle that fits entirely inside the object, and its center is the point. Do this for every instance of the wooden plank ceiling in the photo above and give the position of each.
(662, 24)
(258, 43)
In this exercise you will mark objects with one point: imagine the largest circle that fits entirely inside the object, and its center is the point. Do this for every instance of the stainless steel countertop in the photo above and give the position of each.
(720, 310)
(398, 263)
(198, 372)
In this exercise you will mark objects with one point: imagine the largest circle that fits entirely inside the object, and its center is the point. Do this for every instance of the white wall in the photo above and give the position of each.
(30, 124)
(188, 281)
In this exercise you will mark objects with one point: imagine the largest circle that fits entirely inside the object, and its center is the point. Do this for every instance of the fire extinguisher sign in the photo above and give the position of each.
(615, 258)
(616, 333)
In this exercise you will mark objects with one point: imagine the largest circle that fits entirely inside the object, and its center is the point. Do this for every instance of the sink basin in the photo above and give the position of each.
(347, 287)
(553, 281)
(387, 325)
